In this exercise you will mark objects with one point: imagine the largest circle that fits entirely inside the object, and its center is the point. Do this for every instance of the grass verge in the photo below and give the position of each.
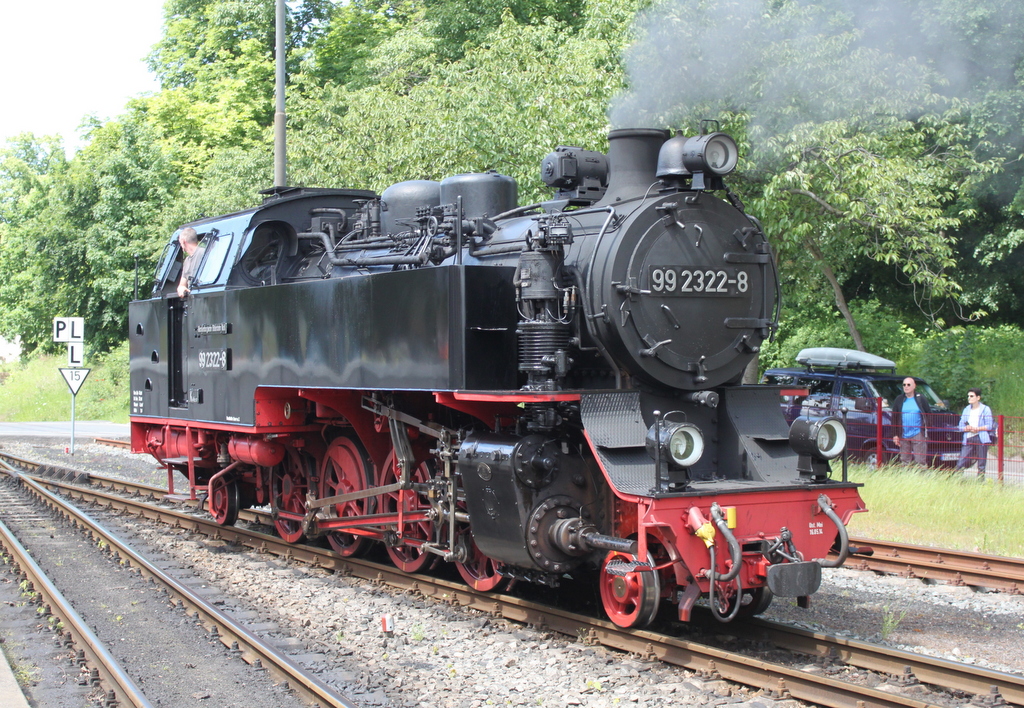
(936, 508)
(34, 390)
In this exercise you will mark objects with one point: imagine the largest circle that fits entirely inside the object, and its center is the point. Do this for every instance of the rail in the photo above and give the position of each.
(233, 635)
(942, 564)
(709, 662)
(121, 688)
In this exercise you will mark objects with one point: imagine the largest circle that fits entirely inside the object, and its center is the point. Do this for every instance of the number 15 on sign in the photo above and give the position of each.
(75, 378)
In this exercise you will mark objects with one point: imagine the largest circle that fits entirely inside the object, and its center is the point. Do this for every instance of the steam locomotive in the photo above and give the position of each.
(528, 392)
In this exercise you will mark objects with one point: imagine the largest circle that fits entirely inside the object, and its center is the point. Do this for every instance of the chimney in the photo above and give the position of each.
(632, 162)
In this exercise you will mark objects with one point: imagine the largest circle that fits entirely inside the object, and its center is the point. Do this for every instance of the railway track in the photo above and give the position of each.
(906, 560)
(904, 671)
(232, 634)
(110, 442)
(69, 627)
(939, 564)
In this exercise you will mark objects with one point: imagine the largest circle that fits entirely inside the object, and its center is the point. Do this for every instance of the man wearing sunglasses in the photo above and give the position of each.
(910, 418)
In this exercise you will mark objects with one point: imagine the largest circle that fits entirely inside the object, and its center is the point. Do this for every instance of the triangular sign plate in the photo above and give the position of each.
(75, 378)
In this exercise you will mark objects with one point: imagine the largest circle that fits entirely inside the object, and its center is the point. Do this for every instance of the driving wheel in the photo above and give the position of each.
(345, 470)
(288, 485)
(406, 556)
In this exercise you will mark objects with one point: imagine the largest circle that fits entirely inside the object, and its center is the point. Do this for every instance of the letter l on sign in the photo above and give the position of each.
(76, 353)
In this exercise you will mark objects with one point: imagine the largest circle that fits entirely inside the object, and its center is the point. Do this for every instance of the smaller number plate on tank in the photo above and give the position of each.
(217, 359)
(688, 281)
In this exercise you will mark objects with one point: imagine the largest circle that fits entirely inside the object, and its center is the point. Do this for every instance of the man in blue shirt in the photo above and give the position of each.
(910, 417)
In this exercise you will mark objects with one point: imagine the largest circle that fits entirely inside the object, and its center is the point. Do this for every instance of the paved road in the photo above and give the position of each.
(83, 429)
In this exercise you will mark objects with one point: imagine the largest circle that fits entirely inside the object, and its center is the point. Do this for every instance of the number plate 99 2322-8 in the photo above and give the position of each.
(689, 281)
(215, 359)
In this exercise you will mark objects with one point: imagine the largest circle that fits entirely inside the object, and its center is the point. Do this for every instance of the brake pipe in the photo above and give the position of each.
(844, 538)
(734, 572)
(706, 532)
(734, 546)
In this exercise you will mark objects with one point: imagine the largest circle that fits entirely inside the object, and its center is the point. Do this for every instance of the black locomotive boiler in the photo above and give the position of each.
(525, 391)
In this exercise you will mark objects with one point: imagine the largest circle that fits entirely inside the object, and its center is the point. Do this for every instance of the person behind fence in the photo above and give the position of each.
(977, 424)
(910, 417)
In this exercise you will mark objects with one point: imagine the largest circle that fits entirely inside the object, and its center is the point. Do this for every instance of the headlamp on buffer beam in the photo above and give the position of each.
(817, 440)
(674, 446)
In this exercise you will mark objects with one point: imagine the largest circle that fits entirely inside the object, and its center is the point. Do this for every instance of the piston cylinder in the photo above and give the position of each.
(256, 451)
(167, 444)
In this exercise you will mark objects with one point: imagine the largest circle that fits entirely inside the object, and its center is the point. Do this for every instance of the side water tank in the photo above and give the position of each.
(400, 201)
(483, 193)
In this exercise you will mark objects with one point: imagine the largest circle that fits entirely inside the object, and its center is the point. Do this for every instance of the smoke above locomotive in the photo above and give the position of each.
(526, 391)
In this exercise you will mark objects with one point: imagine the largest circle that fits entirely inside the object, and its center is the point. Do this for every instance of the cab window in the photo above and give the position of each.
(217, 247)
(169, 267)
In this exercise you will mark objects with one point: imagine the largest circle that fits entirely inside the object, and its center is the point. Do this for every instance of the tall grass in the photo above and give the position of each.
(34, 390)
(936, 508)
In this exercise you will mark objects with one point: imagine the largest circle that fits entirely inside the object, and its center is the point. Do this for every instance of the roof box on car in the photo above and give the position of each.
(836, 358)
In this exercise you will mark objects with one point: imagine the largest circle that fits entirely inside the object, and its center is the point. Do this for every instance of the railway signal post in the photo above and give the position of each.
(72, 331)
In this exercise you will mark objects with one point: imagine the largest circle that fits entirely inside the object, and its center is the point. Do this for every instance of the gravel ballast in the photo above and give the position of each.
(450, 657)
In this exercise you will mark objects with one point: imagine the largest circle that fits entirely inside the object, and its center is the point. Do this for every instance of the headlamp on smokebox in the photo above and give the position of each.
(673, 446)
(816, 441)
(703, 160)
(715, 153)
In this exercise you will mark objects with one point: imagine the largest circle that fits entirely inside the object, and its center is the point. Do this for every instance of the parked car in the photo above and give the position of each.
(849, 383)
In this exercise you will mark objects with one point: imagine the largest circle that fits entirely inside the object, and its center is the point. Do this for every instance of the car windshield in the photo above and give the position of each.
(889, 389)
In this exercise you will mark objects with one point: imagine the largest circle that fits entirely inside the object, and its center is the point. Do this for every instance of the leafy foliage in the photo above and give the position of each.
(965, 357)
(503, 106)
(821, 326)
(881, 143)
(70, 251)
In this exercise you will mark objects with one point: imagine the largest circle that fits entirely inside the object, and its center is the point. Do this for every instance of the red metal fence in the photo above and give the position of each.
(871, 437)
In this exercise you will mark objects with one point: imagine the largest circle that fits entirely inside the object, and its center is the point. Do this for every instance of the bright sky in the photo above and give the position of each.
(61, 60)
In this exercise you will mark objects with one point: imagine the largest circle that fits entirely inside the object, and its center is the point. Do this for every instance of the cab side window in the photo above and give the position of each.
(216, 247)
(260, 256)
(168, 270)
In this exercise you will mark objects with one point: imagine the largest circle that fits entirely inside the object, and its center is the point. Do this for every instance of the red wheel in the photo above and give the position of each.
(223, 501)
(479, 571)
(289, 482)
(407, 557)
(630, 599)
(345, 470)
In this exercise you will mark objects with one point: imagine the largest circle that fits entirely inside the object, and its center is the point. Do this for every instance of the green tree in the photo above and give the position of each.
(462, 24)
(835, 192)
(504, 105)
(70, 248)
(860, 142)
(355, 31)
(216, 67)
